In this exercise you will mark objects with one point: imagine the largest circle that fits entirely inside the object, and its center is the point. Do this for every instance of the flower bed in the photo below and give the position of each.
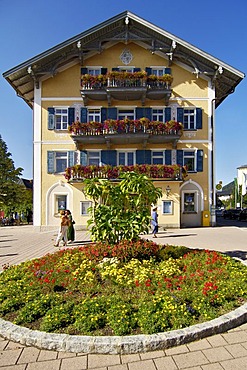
(130, 288)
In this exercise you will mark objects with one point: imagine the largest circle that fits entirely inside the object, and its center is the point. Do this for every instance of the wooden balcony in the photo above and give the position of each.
(126, 89)
(126, 132)
(79, 173)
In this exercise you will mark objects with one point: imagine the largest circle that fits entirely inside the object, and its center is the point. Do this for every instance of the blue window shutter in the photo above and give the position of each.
(112, 113)
(83, 158)
(137, 69)
(148, 113)
(168, 157)
(50, 162)
(168, 71)
(103, 114)
(71, 112)
(198, 118)
(143, 157)
(148, 70)
(180, 157)
(168, 114)
(180, 115)
(103, 71)
(140, 112)
(71, 158)
(51, 118)
(109, 157)
(84, 115)
(115, 69)
(84, 71)
(199, 160)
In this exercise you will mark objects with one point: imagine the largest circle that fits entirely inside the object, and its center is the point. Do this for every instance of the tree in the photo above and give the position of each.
(120, 210)
(10, 190)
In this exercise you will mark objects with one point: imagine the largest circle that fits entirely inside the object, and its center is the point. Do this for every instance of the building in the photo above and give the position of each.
(124, 93)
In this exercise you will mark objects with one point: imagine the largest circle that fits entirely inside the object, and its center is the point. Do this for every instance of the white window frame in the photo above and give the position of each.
(94, 70)
(84, 202)
(158, 156)
(95, 113)
(126, 152)
(125, 113)
(190, 156)
(196, 200)
(158, 71)
(92, 156)
(63, 114)
(56, 158)
(191, 113)
(126, 68)
(56, 200)
(170, 202)
(160, 115)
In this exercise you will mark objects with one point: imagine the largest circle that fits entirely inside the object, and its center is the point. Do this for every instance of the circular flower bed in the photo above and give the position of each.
(130, 288)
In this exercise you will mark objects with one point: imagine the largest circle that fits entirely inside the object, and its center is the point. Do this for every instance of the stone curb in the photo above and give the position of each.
(122, 344)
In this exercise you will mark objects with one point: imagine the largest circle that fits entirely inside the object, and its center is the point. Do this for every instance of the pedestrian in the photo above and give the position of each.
(71, 230)
(154, 221)
(63, 229)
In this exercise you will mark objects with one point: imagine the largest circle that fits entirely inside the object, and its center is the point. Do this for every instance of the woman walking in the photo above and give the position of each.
(154, 221)
(71, 230)
(62, 233)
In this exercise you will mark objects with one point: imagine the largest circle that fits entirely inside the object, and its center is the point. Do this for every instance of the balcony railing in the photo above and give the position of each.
(79, 173)
(126, 126)
(126, 86)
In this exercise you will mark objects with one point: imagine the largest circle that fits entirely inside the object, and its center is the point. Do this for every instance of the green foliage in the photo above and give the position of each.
(121, 211)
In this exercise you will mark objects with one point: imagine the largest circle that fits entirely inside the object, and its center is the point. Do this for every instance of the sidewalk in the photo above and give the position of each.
(223, 351)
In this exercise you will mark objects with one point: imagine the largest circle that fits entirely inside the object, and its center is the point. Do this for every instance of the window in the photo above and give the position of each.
(189, 119)
(189, 203)
(126, 113)
(60, 203)
(84, 207)
(93, 158)
(61, 161)
(158, 115)
(167, 207)
(158, 157)
(61, 118)
(158, 71)
(94, 115)
(126, 158)
(94, 71)
(189, 160)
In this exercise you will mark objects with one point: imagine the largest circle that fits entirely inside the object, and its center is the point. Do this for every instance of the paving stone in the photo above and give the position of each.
(235, 364)
(75, 363)
(176, 350)
(14, 345)
(13, 367)
(165, 363)
(217, 354)
(142, 365)
(211, 367)
(29, 354)
(68, 354)
(102, 360)
(236, 350)
(190, 359)
(199, 345)
(9, 357)
(235, 337)
(45, 355)
(152, 354)
(3, 344)
(45, 365)
(130, 358)
(217, 340)
(195, 368)
(118, 367)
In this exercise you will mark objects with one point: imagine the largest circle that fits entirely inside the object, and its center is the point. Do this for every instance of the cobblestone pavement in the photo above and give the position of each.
(226, 351)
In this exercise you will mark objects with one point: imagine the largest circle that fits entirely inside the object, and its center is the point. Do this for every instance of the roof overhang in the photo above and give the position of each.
(126, 27)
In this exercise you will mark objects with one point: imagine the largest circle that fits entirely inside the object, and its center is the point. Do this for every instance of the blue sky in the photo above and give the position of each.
(30, 27)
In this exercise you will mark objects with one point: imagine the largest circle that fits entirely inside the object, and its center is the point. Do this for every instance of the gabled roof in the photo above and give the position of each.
(126, 27)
